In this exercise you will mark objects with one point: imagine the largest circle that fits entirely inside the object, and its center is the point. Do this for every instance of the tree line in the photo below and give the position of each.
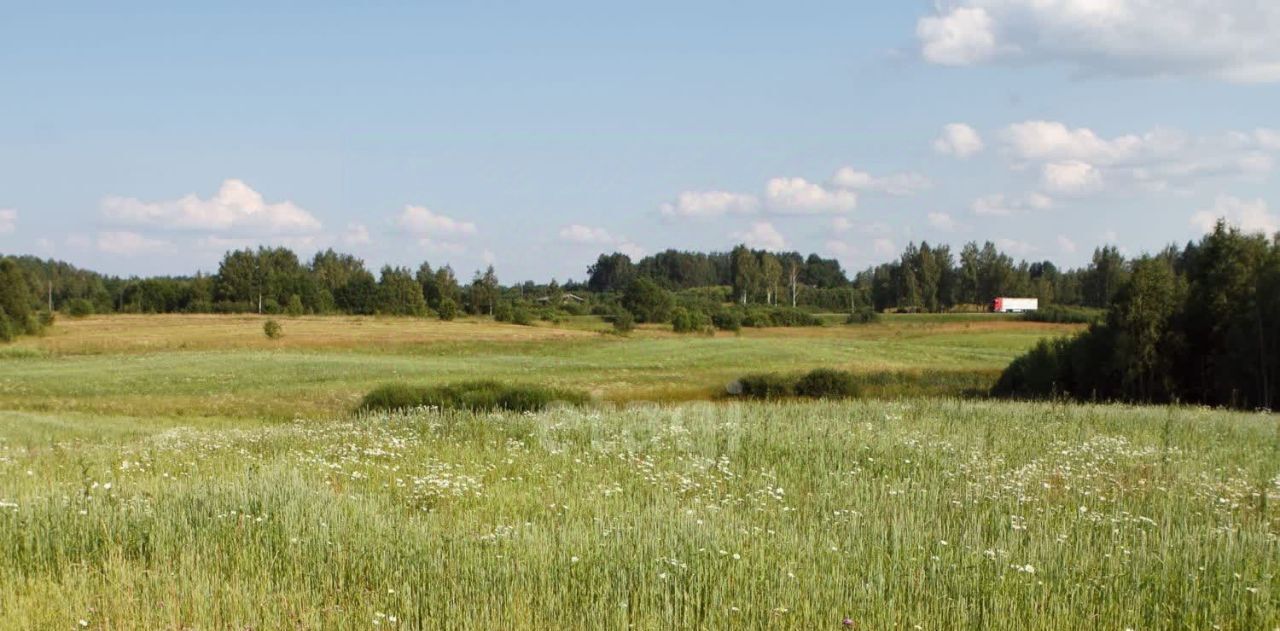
(1198, 324)
(274, 280)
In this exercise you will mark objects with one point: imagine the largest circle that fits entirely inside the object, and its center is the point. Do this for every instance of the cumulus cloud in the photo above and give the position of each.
(1020, 248)
(958, 140)
(898, 184)
(942, 221)
(8, 220)
(795, 195)
(1076, 161)
(884, 247)
(841, 224)
(125, 243)
(1000, 204)
(586, 235)
(1233, 40)
(422, 222)
(1071, 178)
(236, 207)
(1066, 245)
(1248, 215)
(356, 234)
(710, 204)
(763, 236)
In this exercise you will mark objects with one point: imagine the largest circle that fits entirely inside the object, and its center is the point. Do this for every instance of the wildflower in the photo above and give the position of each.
(847, 622)
(573, 559)
(84, 623)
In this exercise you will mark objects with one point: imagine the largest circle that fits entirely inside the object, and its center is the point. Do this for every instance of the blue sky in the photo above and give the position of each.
(150, 138)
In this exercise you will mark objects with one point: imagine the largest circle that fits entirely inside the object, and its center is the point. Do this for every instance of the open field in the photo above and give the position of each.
(223, 366)
(184, 472)
(922, 514)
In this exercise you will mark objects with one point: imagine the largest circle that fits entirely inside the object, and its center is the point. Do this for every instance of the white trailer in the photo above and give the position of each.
(1014, 305)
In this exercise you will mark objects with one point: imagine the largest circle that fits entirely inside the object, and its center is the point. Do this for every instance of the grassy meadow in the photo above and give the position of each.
(184, 472)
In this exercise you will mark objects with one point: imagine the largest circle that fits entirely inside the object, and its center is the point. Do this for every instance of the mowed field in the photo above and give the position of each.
(186, 473)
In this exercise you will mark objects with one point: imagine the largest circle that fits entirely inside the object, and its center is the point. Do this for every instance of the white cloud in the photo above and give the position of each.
(8, 220)
(356, 234)
(841, 224)
(962, 37)
(1050, 140)
(958, 140)
(1066, 245)
(489, 257)
(126, 243)
(586, 235)
(1073, 177)
(710, 204)
(1233, 40)
(1000, 204)
(762, 236)
(1248, 215)
(422, 222)
(1080, 161)
(796, 195)
(942, 221)
(236, 207)
(884, 247)
(632, 250)
(899, 184)
(1020, 248)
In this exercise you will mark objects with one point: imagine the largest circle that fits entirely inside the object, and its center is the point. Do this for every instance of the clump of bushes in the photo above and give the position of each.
(863, 315)
(824, 383)
(820, 383)
(727, 320)
(476, 396)
(690, 321)
(1065, 315)
(80, 308)
(759, 317)
(623, 322)
(448, 309)
(272, 330)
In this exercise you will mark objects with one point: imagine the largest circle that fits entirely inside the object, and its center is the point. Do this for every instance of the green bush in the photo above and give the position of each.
(503, 312)
(827, 383)
(478, 396)
(448, 309)
(1065, 315)
(760, 317)
(726, 320)
(80, 308)
(863, 315)
(272, 329)
(689, 321)
(762, 386)
(294, 308)
(521, 316)
(623, 321)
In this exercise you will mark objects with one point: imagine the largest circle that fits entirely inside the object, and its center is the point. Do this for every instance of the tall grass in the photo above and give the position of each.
(937, 514)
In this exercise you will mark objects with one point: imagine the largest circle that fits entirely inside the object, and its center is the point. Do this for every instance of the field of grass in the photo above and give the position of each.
(184, 472)
(919, 514)
(223, 366)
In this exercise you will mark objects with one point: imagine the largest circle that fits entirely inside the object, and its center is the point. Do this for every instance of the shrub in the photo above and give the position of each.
(503, 312)
(759, 317)
(448, 309)
(521, 316)
(294, 308)
(477, 396)
(272, 329)
(1065, 315)
(827, 383)
(46, 319)
(727, 320)
(80, 308)
(689, 321)
(863, 315)
(623, 321)
(762, 386)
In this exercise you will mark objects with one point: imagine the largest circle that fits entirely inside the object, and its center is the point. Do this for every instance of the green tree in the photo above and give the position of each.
(647, 301)
(746, 274)
(399, 293)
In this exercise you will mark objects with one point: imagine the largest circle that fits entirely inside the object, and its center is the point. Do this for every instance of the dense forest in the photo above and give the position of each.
(1196, 325)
